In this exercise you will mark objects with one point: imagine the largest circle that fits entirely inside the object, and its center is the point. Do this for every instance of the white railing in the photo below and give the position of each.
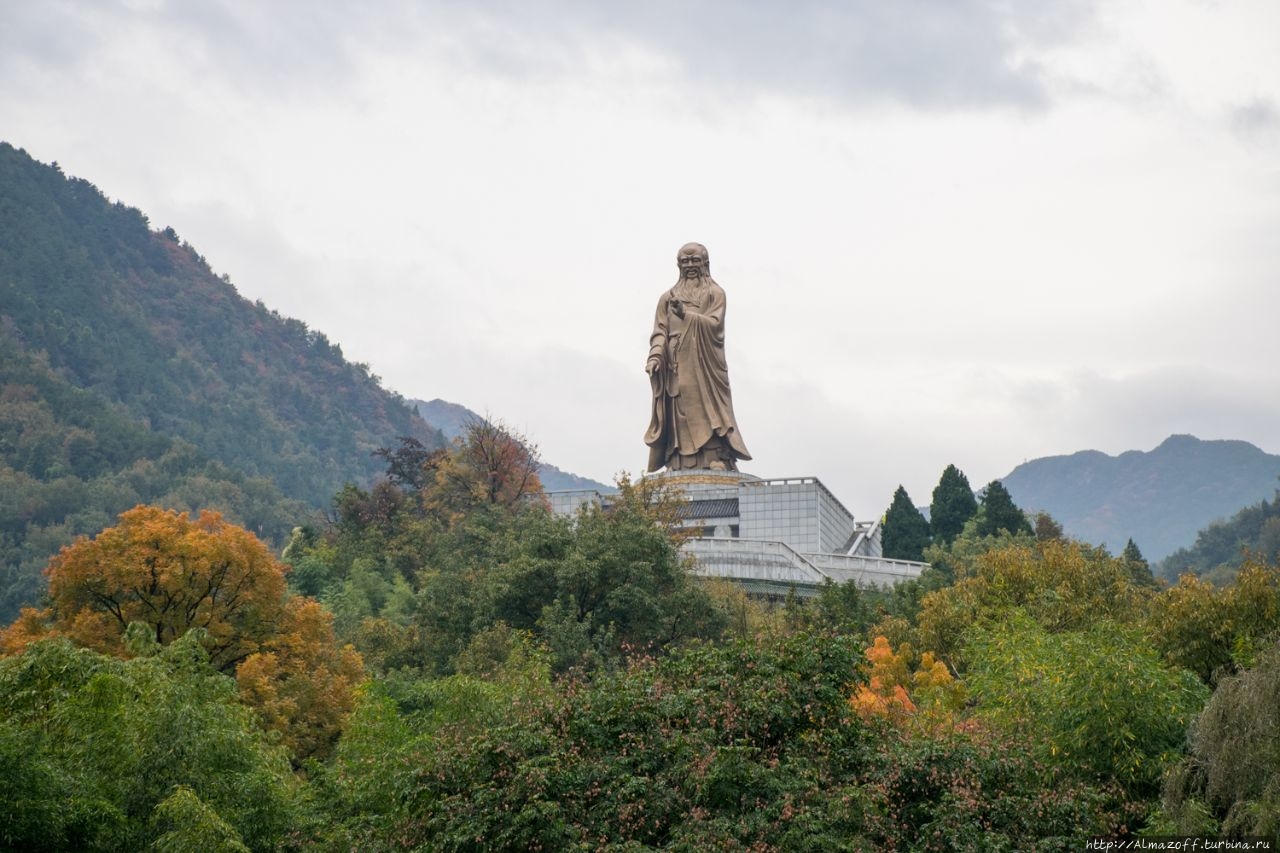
(865, 571)
(769, 561)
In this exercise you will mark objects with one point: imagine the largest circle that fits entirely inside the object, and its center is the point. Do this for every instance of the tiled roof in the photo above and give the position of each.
(706, 510)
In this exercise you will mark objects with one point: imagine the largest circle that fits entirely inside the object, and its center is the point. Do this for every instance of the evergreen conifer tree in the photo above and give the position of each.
(999, 512)
(1139, 569)
(953, 504)
(905, 534)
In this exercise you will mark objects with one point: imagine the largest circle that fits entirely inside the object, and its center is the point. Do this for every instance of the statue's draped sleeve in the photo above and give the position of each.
(655, 436)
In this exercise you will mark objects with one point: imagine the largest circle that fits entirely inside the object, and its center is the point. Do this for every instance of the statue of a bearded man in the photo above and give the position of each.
(692, 424)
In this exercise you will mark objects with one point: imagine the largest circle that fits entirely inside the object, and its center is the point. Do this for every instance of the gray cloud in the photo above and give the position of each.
(176, 132)
(34, 34)
(277, 49)
(1256, 121)
(1138, 410)
(926, 53)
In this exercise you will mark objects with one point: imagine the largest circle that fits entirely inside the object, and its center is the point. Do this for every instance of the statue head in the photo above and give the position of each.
(693, 261)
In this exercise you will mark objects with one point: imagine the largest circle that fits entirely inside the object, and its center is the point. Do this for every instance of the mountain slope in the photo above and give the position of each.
(130, 372)
(139, 319)
(1160, 498)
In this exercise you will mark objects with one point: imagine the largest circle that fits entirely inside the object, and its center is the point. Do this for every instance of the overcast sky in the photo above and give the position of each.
(949, 231)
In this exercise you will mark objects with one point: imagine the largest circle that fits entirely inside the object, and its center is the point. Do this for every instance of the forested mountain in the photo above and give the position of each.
(452, 419)
(1222, 547)
(1158, 498)
(130, 372)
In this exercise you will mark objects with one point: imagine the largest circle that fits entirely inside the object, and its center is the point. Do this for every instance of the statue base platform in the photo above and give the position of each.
(700, 477)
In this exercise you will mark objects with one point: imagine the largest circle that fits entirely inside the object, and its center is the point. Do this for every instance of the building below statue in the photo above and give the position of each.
(770, 535)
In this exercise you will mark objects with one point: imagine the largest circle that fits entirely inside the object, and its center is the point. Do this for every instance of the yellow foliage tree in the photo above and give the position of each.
(884, 694)
(1215, 631)
(300, 682)
(1062, 585)
(173, 574)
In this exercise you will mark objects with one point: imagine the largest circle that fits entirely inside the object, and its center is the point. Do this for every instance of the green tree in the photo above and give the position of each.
(742, 745)
(193, 825)
(998, 512)
(1138, 565)
(841, 608)
(953, 504)
(1229, 782)
(1099, 702)
(905, 533)
(94, 750)
(597, 587)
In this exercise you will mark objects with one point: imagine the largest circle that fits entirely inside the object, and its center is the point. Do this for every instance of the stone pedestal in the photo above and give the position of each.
(700, 479)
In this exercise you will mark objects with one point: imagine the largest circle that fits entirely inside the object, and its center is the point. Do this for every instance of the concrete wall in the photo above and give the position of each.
(800, 512)
(781, 511)
(835, 523)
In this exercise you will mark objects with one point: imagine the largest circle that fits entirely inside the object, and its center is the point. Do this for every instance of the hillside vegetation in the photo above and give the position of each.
(130, 372)
(1222, 547)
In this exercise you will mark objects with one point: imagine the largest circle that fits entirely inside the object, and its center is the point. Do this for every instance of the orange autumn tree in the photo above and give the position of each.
(31, 625)
(891, 686)
(174, 574)
(884, 694)
(490, 465)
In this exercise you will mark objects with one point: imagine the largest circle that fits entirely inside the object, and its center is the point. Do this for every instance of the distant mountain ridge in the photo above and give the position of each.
(1161, 498)
(452, 418)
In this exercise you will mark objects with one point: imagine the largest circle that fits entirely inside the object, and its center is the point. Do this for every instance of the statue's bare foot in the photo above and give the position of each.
(717, 466)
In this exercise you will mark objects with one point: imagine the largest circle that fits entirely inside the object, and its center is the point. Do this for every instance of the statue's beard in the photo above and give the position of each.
(696, 282)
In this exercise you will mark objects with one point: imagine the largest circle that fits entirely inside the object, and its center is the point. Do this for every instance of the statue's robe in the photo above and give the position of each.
(692, 424)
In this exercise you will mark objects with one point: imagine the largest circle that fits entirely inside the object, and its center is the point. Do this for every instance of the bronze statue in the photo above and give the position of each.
(692, 424)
